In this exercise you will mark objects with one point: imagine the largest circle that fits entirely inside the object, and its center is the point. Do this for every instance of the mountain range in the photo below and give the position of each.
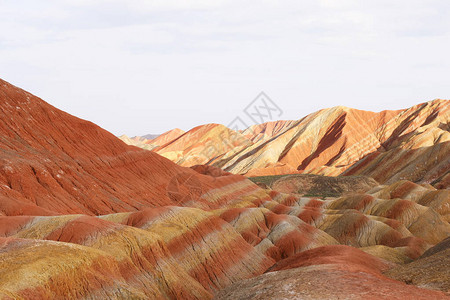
(412, 144)
(84, 215)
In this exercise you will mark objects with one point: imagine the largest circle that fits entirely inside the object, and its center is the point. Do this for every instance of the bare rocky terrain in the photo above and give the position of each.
(83, 215)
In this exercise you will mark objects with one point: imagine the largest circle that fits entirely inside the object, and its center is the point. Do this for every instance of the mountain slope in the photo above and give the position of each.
(204, 144)
(62, 164)
(152, 141)
(167, 137)
(412, 144)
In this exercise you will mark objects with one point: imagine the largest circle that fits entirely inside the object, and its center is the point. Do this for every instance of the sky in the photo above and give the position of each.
(146, 66)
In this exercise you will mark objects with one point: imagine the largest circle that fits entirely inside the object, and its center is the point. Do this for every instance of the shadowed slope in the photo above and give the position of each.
(331, 140)
(441, 246)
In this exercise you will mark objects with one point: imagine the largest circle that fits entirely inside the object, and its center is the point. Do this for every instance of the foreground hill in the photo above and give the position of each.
(412, 144)
(187, 253)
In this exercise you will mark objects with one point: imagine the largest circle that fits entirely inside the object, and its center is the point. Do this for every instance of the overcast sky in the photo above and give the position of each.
(143, 66)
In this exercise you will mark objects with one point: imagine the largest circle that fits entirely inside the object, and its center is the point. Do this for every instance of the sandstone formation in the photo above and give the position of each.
(328, 273)
(333, 255)
(439, 200)
(389, 146)
(266, 131)
(139, 260)
(430, 271)
(348, 141)
(167, 137)
(275, 235)
(36, 269)
(83, 215)
(152, 141)
(204, 245)
(63, 164)
(204, 143)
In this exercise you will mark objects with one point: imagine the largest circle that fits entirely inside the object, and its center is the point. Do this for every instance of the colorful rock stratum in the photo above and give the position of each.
(411, 144)
(85, 216)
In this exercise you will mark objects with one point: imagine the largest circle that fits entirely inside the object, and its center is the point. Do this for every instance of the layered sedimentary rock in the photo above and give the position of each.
(410, 144)
(191, 253)
(152, 141)
(37, 269)
(330, 272)
(137, 259)
(439, 200)
(333, 255)
(331, 141)
(430, 271)
(204, 144)
(363, 220)
(207, 247)
(63, 164)
(275, 235)
(167, 137)
(266, 131)
(82, 215)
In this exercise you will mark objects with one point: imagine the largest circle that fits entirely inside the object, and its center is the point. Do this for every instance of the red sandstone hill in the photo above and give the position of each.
(411, 144)
(52, 162)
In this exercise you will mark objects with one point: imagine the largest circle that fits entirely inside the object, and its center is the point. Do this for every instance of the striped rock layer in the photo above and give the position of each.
(389, 146)
(151, 142)
(430, 270)
(83, 215)
(189, 253)
(330, 272)
(83, 256)
(174, 252)
(177, 252)
(54, 163)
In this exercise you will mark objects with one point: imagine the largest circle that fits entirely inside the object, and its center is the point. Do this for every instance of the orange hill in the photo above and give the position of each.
(412, 144)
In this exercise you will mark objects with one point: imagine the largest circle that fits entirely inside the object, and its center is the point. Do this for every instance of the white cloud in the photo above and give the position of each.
(127, 64)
